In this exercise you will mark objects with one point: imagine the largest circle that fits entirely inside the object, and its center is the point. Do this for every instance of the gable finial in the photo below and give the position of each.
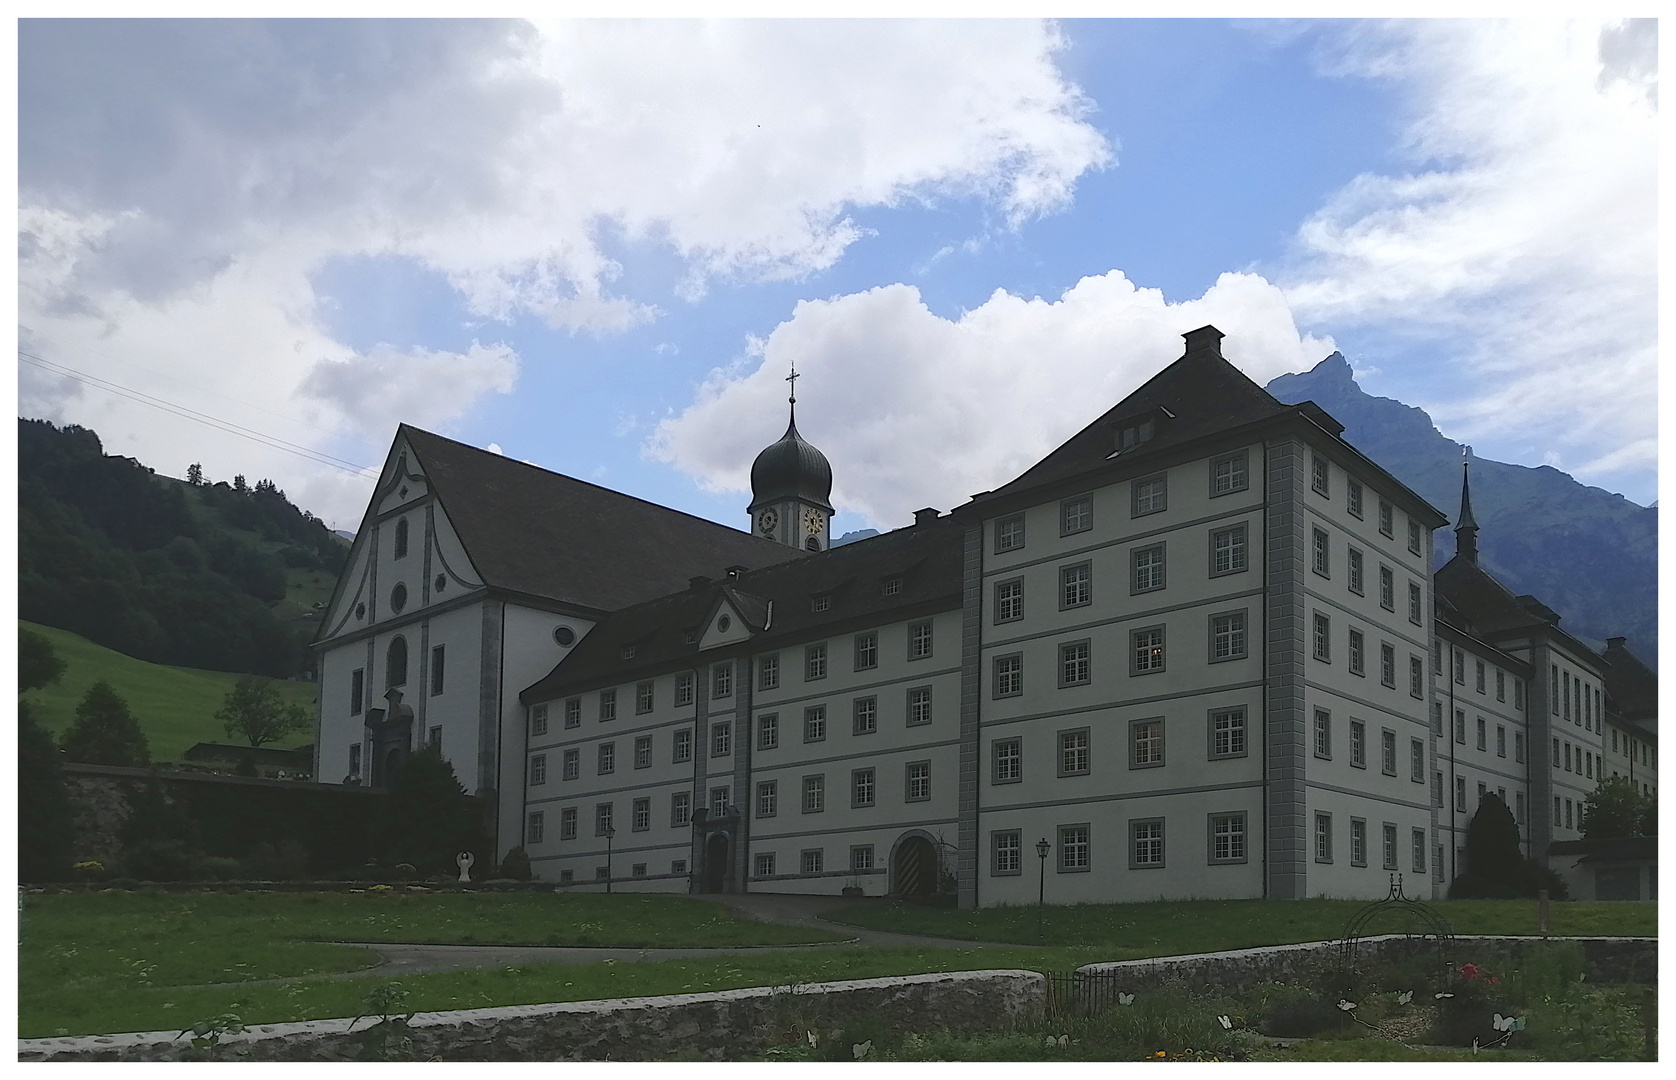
(792, 378)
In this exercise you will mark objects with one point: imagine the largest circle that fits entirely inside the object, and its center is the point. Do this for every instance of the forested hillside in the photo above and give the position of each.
(189, 574)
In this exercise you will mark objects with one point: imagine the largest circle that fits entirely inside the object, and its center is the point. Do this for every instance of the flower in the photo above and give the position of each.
(1469, 971)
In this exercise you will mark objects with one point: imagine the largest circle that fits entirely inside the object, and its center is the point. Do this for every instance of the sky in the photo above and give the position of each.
(599, 247)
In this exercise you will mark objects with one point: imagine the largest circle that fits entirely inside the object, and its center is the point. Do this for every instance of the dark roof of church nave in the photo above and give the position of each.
(665, 632)
(548, 535)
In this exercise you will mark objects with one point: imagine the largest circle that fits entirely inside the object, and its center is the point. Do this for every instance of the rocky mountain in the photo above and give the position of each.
(1587, 553)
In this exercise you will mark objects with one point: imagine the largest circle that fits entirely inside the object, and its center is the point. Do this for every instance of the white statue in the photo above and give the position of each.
(464, 861)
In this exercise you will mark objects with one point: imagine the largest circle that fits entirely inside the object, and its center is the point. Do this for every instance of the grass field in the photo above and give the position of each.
(175, 706)
(1127, 931)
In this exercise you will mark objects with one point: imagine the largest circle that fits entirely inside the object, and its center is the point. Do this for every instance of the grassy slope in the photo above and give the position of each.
(175, 706)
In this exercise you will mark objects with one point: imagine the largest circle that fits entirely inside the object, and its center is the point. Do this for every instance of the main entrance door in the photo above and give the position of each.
(715, 863)
(914, 871)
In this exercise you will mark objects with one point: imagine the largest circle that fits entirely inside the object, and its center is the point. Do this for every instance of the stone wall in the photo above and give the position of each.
(725, 1026)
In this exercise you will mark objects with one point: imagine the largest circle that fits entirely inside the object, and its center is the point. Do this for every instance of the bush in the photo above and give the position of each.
(287, 862)
(105, 732)
(220, 868)
(1303, 1017)
(44, 818)
(516, 865)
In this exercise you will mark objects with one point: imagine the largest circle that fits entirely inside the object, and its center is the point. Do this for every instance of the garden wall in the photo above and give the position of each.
(723, 1026)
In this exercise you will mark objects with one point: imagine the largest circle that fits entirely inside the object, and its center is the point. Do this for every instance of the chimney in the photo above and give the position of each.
(926, 515)
(733, 572)
(1206, 338)
(1615, 642)
(697, 582)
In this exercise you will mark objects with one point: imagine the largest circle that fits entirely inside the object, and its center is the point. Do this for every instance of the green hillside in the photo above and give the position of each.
(175, 705)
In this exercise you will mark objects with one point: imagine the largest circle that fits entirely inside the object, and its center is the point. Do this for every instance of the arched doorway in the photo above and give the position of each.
(913, 867)
(715, 863)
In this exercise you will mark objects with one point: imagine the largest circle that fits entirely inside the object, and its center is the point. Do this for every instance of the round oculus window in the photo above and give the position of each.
(441, 582)
(723, 623)
(565, 636)
(398, 598)
(360, 611)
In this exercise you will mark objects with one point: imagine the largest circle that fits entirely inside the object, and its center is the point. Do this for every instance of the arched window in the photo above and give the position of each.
(395, 666)
(813, 543)
(401, 538)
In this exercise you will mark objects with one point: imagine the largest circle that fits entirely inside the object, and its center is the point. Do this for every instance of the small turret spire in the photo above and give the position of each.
(1466, 527)
(792, 378)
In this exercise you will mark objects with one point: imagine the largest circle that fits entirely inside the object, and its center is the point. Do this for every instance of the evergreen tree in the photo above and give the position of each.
(105, 732)
(1614, 808)
(37, 664)
(239, 485)
(1495, 867)
(195, 474)
(254, 712)
(44, 822)
(428, 818)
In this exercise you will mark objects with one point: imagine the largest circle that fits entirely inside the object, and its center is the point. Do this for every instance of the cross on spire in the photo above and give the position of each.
(792, 378)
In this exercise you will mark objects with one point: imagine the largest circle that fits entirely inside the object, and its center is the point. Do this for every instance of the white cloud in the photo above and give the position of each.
(1521, 248)
(916, 410)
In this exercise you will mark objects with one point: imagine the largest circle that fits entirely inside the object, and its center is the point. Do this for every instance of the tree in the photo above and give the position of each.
(239, 485)
(255, 712)
(105, 732)
(37, 664)
(44, 822)
(428, 818)
(1496, 869)
(1614, 808)
(195, 474)
(1650, 816)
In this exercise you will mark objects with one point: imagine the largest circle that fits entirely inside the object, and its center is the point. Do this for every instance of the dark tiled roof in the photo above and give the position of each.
(545, 534)
(926, 557)
(1485, 605)
(1631, 685)
(1608, 849)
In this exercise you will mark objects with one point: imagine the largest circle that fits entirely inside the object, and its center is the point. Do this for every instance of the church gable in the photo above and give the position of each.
(725, 626)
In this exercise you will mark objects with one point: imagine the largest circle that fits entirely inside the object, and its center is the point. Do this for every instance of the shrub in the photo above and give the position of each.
(516, 865)
(159, 840)
(220, 868)
(1303, 1017)
(104, 731)
(287, 862)
(45, 828)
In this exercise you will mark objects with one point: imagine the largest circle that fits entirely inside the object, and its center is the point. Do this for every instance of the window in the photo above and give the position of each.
(892, 586)
(1482, 741)
(1519, 807)
(1461, 794)
(1227, 636)
(1227, 733)
(1009, 676)
(765, 864)
(1556, 754)
(1437, 718)
(1437, 789)
(1323, 838)
(1417, 761)
(919, 640)
(603, 813)
(1007, 851)
(1146, 649)
(1358, 842)
(640, 815)
(607, 758)
(861, 858)
(813, 861)
(1461, 726)
(1073, 664)
(1553, 688)
(1353, 497)
(1318, 473)
(823, 602)
(1075, 585)
(768, 672)
(862, 785)
(1460, 666)
(719, 798)
(1558, 820)
(572, 764)
(721, 738)
(1388, 665)
(607, 705)
(1358, 652)
(1229, 474)
(917, 782)
(567, 823)
(1318, 552)
(628, 652)
(1073, 752)
(1387, 589)
(814, 662)
(721, 681)
(536, 831)
(1227, 550)
(1416, 605)
(865, 719)
(814, 723)
(1148, 567)
(1323, 734)
(1076, 515)
(1417, 843)
(1501, 740)
(1227, 838)
(1518, 693)
(354, 759)
(1146, 844)
(1478, 676)
(1390, 845)
(1385, 518)
(1388, 752)
(401, 539)
(1009, 533)
(1007, 756)
(357, 690)
(1320, 639)
(1146, 743)
(680, 809)
(1356, 571)
(768, 731)
(1134, 434)
(814, 794)
(1073, 849)
(1416, 677)
(538, 720)
(919, 706)
(643, 752)
(867, 651)
(1358, 744)
(436, 670)
(1009, 600)
(1519, 746)
(538, 769)
(395, 663)
(1147, 496)
(1414, 536)
(768, 798)
(684, 688)
(643, 697)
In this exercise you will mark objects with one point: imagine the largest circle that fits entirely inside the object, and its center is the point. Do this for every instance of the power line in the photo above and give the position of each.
(319, 457)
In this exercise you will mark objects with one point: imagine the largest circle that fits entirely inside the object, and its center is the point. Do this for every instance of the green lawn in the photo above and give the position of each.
(1127, 931)
(174, 705)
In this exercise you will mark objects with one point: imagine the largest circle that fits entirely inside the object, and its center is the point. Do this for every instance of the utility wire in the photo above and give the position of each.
(319, 457)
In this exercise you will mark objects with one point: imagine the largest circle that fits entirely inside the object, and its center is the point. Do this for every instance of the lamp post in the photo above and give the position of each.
(609, 833)
(1042, 849)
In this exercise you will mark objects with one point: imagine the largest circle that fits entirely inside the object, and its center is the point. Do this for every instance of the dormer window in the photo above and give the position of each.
(1139, 429)
(628, 652)
(892, 586)
(820, 603)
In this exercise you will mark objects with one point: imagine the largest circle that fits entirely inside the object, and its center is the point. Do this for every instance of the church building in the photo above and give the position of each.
(1196, 651)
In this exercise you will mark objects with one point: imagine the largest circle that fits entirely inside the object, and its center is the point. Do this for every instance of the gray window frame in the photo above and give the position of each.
(1321, 748)
(607, 706)
(1416, 604)
(1387, 665)
(914, 628)
(1363, 822)
(1317, 833)
(1387, 519)
(606, 758)
(1062, 847)
(814, 784)
(865, 703)
(1059, 741)
(1134, 656)
(571, 764)
(1017, 674)
(812, 714)
(1162, 840)
(1016, 600)
(644, 697)
(1087, 663)
(680, 801)
(1387, 588)
(1417, 760)
(908, 767)
(1244, 537)
(1238, 456)
(912, 704)
(567, 823)
(1065, 506)
(1001, 524)
(1134, 746)
(684, 692)
(1389, 828)
(1160, 569)
(1388, 763)
(676, 744)
(1244, 632)
(804, 859)
(721, 738)
(814, 656)
(721, 679)
(538, 770)
(1211, 716)
(768, 671)
(1357, 570)
(1211, 819)
(1356, 652)
(1321, 553)
(768, 731)
(640, 809)
(643, 751)
(866, 651)
(1159, 478)
(995, 837)
(1016, 742)
(1357, 743)
(1353, 497)
(871, 774)
(1320, 475)
(1321, 637)
(1087, 566)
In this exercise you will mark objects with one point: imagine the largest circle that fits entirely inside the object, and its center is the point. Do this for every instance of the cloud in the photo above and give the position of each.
(1521, 246)
(915, 410)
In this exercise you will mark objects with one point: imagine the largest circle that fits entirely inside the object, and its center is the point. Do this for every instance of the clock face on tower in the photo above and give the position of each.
(768, 521)
(812, 521)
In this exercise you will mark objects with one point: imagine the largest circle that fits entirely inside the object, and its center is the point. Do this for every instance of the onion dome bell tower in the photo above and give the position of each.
(791, 483)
